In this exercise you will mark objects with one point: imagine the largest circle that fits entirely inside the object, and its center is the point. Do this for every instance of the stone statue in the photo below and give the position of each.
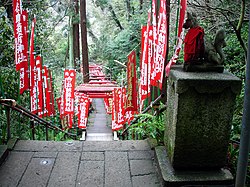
(194, 41)
(199, 54)
(213, 52)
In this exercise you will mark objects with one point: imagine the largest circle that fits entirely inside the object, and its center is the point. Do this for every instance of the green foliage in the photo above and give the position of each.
(115, 43)
(148, 126)
(6, 41)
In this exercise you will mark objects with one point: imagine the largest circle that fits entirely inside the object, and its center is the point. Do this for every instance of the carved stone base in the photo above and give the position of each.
(177, 178)
(203, 68)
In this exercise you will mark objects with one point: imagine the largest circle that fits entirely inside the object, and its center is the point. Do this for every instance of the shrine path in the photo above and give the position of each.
(99, 124)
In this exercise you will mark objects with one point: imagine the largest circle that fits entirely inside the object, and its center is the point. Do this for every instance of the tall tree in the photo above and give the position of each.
(85, 62)
(76, 35)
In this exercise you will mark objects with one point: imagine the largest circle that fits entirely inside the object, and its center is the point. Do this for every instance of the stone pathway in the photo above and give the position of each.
(99, 128)
(75, 163)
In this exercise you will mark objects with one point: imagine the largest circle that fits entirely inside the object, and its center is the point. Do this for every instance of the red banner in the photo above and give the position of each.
(69, 87)
(108, 104)
(161, 46)
(24, 78)
(130, 116)
(83, 111)
(146, 55)
(46, 94)
(150, 54)
(119, 105)
(154, 44)
(180, 37)
(33, 99)
(143, 87)
(39, 85)
(24, 72)
(20, 53)
(118, 112)
(25, 31)
(113, 112)
(131, 102)
(62, 101)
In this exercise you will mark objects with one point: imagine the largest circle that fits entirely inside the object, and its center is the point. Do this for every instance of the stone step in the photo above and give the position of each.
(3, 153)
(99, 137)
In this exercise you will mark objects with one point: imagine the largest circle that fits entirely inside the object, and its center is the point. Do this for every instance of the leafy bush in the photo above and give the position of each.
(147, 126)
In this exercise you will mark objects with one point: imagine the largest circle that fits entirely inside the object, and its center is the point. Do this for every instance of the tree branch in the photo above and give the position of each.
(115, 17)
(225, 12)
(242, 13)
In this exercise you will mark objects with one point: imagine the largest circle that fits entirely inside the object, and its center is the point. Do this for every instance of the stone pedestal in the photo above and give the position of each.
(199, 118)
(200, 108)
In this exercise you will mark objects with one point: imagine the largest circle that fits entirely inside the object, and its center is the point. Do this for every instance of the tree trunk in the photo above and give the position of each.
(141, 3)
(85, 63)
(128, 9)
(76, 37)
(92, 35)
(115, 17)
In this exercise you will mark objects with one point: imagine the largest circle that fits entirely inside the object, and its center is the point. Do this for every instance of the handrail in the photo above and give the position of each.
(152, 104)
(11, 103)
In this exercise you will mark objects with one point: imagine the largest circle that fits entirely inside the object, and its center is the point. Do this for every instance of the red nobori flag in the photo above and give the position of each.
(68, 90)
(150, 54)
(20, 53)
(25, 30)
(161, 47)
(118, 112)
(46, 94)
(24, 72)
(113, 116)
(108, 104)
(143, 88)
(33, 95)
(180, 37)
(24, 78)
(131, 102)
(39, 85)
(83, 111)
(130, 116)
(154, 45)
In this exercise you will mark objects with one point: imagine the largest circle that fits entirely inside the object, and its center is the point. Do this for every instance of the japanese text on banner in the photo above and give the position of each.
(131, 102)
(68, 90)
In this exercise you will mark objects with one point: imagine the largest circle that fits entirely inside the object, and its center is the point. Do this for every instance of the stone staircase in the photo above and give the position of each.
(80, 163)
(99, 124)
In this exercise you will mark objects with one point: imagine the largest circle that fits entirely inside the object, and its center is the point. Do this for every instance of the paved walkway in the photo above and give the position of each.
(99, 125)
(75, 163)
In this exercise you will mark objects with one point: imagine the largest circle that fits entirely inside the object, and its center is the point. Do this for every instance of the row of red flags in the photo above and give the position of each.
(153, 48)
(123, 104)
(33, 75)
(72, 103)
